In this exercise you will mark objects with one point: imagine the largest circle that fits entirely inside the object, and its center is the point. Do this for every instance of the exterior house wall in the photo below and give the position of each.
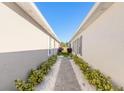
(53, 46)
(75, 44)
(103, 43)
(52, 43)
(22, 46)
(56, 46)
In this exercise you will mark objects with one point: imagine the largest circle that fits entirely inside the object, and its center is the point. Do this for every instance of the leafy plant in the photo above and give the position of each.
(94, 76)
(23, 86)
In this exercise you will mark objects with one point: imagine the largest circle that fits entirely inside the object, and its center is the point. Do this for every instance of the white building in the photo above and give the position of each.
(100, 40)
(26, 40)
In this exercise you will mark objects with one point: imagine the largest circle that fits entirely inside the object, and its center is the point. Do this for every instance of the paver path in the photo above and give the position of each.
(66, 79)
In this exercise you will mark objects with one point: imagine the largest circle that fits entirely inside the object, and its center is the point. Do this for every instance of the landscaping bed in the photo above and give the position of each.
(95, 77)
(36, 76)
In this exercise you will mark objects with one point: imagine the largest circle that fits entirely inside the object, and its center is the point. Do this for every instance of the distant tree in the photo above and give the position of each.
(67, 44)
(63, 44)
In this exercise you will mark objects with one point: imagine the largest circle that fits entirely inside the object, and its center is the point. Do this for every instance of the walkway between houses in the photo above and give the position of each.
(66, 79)
(65, 75)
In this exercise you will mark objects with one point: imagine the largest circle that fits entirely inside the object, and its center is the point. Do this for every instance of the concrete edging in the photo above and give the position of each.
(85, 86)
(50, 80)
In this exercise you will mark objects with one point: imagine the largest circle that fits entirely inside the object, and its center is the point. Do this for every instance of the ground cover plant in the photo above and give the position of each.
(95, 77)
(36, 76)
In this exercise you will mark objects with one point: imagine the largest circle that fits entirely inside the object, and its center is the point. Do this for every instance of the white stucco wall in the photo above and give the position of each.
(22, 47)
(52, 45)
(15, 29)
(75, 47)
(57, 45)
(103, 43)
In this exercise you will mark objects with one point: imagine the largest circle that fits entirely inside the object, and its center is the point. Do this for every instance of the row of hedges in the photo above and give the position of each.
(36, 76)
(95, 77)
(65, 54)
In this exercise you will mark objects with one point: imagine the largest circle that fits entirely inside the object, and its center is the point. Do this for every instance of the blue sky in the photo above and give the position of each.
(64, 17)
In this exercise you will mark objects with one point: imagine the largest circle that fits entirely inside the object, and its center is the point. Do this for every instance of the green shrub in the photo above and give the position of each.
(23, 86)
(36, 76)
(65, 54)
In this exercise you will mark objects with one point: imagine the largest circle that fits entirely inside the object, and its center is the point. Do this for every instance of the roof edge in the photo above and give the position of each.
(31, 9)
(98, 9)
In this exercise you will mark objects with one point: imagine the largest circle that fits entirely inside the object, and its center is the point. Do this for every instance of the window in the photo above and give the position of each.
(77, 46)
(73, 46)
(49, 51)
(54, 47)
(80, 47)
(70, 45)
